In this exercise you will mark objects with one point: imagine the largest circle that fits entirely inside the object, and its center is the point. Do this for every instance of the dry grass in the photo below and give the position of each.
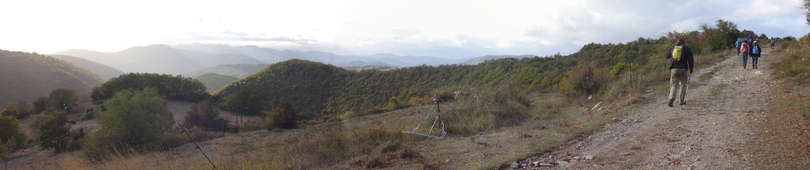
(785, 143)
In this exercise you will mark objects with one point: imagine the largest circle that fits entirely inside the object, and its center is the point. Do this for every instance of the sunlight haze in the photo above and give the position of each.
(449, 29)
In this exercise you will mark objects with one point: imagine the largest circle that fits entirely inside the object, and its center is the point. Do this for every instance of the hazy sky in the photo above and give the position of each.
(442, 28)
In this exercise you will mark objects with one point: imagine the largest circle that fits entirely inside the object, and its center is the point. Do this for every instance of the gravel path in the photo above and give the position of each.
(724, 101)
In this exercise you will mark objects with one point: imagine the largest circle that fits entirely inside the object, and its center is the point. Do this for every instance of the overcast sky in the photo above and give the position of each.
(441, 28)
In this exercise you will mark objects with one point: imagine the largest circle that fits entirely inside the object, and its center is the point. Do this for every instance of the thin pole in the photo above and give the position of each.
(197, 146)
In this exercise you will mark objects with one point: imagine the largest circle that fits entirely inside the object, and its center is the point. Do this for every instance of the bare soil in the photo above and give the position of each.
(724, 104)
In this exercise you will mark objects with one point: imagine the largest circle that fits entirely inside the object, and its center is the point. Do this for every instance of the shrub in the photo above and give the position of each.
(134, 119)
(54, 133)
(10, 131)
(284, 116)
(88, 114)
(41, 104)
(205, 116)
(19, 111)
(63, 98)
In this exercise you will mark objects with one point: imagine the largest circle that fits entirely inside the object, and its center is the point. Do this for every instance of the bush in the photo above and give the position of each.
(54, 132)
(63, 98)
(206, 117)
(134, 119)
(88, 114)
(10, 131)
(284, 116)
(41, 104)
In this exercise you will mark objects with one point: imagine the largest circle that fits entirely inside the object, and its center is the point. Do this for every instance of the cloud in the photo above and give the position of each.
(771, 8)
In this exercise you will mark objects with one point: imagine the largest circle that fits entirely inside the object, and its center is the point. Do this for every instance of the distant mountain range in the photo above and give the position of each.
(102, 70)
(196, 59)
(26, 76)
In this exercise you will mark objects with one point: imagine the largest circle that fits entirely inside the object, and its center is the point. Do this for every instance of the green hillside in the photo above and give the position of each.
(215, 81)
(316, 87)
(601, 70)
(26, 76)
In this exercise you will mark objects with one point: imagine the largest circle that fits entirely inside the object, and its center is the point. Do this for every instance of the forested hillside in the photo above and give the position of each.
(603, 70)
(26, 76)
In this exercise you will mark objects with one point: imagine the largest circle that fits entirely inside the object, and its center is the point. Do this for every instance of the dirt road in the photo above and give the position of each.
(724, 101)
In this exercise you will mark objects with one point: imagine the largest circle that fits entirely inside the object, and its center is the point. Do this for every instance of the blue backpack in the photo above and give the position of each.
(755, 50)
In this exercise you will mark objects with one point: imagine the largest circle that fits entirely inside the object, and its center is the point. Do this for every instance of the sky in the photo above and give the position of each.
(439, 28)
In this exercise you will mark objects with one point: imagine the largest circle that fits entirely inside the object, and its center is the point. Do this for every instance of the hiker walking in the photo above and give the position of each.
(773, 41)
(744, 55)
(737, 44)
(755, 53)
(681, 61)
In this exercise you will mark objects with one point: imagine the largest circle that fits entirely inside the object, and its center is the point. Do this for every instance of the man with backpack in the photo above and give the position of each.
(681, 60)
(773, 41)
(755, 53)
(744, 55)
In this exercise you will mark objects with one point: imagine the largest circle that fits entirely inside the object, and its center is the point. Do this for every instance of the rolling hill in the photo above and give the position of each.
(236, 70)
(160, 59)
(215, 81)
(102, 70)
(26, 76)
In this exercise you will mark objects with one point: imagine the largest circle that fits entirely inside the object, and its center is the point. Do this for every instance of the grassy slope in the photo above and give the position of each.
(26, 76)
(786, 143)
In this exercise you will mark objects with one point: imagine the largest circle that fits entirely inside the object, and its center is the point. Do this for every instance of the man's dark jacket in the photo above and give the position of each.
(687, 60)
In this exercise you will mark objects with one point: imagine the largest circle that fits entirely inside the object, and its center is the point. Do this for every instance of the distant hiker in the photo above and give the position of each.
(773, 41)
(681, 60)
(755, 53)
(750, 39)
(737, 44)
(744, 55)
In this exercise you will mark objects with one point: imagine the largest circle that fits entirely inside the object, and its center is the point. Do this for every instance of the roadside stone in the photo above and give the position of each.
(589, 157)
(515, 165)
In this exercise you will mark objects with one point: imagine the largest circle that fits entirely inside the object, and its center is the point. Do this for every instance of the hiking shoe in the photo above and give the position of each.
(682, 103)
(670, 102)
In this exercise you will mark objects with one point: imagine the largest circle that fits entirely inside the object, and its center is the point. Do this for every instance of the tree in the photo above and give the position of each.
(284, 116)
(135, 117)
(41, 104)
(11, 137)
(807, 13)
(205, 116)
(54, 132)
(63, 98)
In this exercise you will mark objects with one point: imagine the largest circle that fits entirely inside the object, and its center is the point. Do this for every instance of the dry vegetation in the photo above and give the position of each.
(786, 145)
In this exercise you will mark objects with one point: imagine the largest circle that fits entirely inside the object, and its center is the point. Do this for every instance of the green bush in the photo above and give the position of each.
(10, 131)
(54, 132)
(205, 116)
(134, 119)
(63, 98)
(284, 116)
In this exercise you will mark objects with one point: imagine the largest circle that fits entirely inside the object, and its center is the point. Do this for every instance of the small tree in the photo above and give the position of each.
(63, 98)
(11, 137)
(284, 116)
(41, 104)
(54, 132)
(136, 116)
(205, 116)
